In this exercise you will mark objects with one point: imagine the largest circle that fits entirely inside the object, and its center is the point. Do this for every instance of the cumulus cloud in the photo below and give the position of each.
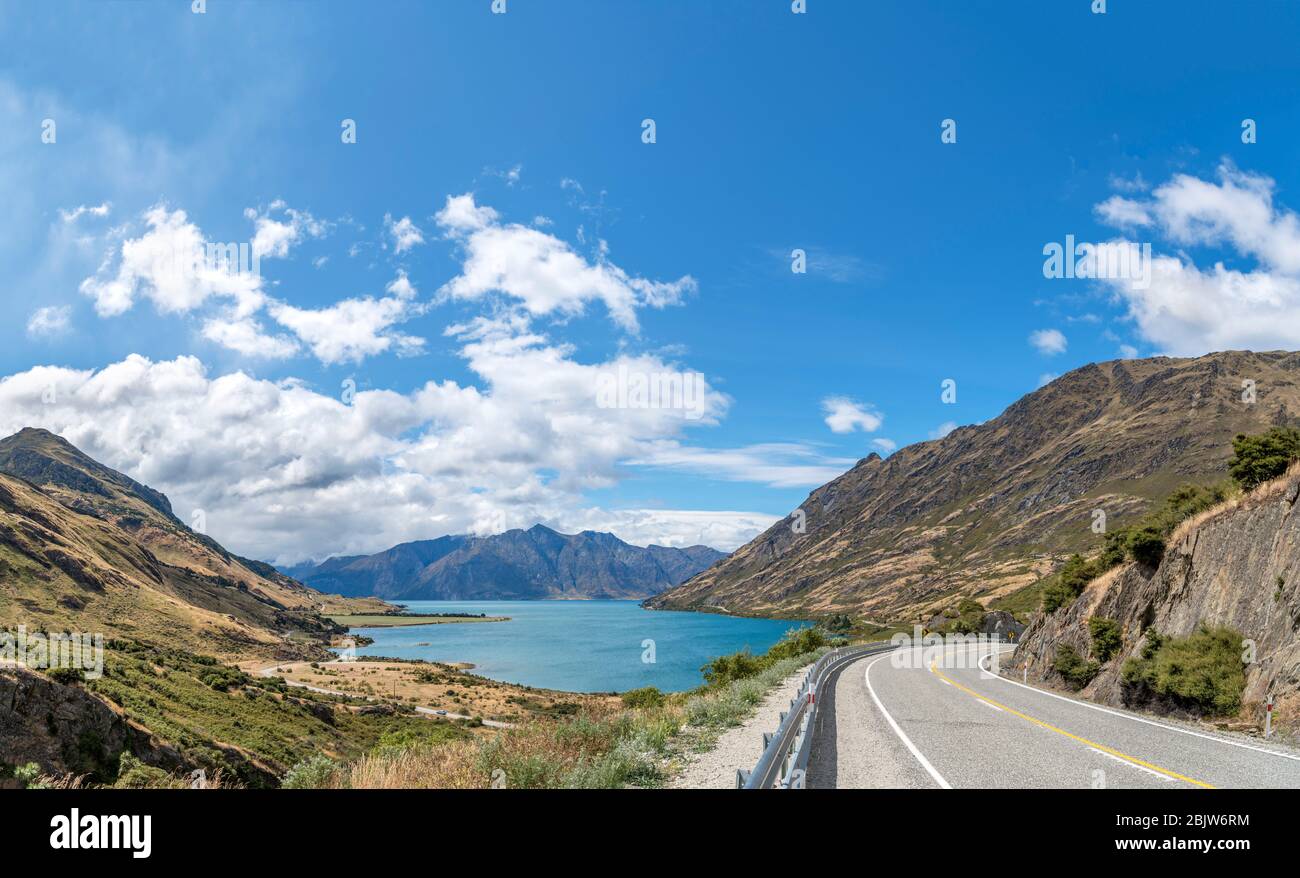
(406, 235)
(169, 265)
(49, 321)
(286, 472)
(943, 429)
(1187, 309)
(274, 236)
(885, 445)
(843, 415)
(541, 272)
(353, 329)
(1048, 341)
(246, 335)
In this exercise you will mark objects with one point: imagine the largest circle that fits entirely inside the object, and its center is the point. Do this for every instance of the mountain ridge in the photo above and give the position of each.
(84, 547)
(992, 507)
(532, 564)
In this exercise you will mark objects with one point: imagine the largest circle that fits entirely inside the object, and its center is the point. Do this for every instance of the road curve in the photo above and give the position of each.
(935, 719)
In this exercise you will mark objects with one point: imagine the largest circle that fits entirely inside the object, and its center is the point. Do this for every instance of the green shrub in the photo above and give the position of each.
(1070, 665)
(132, 774)
(1257, 459)
(310, 774)
(1201, 672)
(1068, 583)
(1147, 545)
(646, 696)
(1106, 638)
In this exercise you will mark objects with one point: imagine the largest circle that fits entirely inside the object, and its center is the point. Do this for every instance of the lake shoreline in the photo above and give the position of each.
(587, 646)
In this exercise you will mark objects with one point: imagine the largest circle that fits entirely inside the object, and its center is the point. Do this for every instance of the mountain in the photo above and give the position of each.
(86, 548)
(989, 508)
(528, 564)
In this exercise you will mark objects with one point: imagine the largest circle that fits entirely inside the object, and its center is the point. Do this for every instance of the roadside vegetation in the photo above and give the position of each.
(244, 728)
(1256, 460)
(604, 745)
(1202, 672)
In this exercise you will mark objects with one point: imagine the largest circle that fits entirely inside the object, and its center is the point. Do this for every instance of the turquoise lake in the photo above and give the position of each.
(576, 646)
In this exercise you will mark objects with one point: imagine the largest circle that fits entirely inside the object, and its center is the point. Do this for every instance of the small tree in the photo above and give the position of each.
(1072, 666)
(1147, 545)
(1256, 459)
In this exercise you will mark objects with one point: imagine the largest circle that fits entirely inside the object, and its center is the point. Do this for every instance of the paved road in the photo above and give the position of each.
(274, 670)
(937, 720)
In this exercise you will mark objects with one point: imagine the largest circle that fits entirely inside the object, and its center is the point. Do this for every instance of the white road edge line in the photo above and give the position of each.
(1131, 764)
(907, 742)
(1137, 719)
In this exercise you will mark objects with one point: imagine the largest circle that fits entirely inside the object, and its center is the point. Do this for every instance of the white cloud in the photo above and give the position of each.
(406, 235)
(1047, 378)
(885, 445)
(284, 472)
(245, 335)
(843, 415)
(943, 429)
(276, 237)
(1128, 352)
(49, 321)
(776, 464)
(168, 265)
(542, 272)
(353, 329)
(1189, 310)
(71, 216)
(1122, 212)
(1048, 341)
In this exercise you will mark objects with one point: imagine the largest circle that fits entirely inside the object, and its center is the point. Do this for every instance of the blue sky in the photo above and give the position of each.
(774, 132)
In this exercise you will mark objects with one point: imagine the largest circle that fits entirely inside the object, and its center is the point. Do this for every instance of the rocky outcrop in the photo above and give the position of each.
(1238, 566)
(67, 730)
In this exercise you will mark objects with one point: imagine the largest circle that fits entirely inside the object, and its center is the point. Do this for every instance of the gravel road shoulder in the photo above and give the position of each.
(739, 747)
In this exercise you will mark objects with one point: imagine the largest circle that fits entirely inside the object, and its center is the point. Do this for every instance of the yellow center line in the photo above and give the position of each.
(1051, 728)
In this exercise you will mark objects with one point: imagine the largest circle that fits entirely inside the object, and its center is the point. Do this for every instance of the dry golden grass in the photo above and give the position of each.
(452, 766)
(1260, 494)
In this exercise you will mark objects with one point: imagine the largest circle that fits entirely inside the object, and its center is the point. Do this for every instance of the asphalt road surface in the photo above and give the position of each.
(935, 719)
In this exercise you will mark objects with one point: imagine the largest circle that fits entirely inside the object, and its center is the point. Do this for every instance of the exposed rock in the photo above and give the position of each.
(67, 730)
(1239, 568)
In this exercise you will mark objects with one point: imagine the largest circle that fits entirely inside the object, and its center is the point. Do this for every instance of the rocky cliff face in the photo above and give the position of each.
(991, 507)
(1240, 568)
(516, 565)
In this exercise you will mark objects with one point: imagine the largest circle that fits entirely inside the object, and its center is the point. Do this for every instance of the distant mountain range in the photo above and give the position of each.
(532, 564)
(990, 508)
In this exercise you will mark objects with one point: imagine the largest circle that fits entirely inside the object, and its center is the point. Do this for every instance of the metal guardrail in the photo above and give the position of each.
(784, 762)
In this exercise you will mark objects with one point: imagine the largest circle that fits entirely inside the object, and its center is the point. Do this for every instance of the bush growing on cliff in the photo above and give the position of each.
(1147, 546)
(1259, 458)
(1202, 671)
(1106, 637)
(1077, 671)
(1068, 582)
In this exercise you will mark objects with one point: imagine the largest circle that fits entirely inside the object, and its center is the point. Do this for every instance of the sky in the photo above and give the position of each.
(481, 236)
